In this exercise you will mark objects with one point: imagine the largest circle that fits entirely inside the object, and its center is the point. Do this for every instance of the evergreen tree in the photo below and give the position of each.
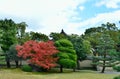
(81, 46)
(104, 48)
(67, 55)
(8, 37)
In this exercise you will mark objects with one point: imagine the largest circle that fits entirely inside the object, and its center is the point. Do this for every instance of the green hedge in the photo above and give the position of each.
(117, 68)
(26, 68)
(118, 77)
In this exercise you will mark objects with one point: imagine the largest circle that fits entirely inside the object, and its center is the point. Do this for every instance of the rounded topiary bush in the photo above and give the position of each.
(26, 68)
(118, 77)
(117, 68)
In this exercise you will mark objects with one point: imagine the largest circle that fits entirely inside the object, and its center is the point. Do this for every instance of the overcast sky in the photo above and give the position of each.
(74, 16)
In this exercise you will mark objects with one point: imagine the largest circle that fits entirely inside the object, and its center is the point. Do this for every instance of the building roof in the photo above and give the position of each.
(62, 32)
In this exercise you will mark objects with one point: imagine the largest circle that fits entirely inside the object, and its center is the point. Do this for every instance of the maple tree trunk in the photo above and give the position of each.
(16, 62)
(61, 68)
(20, 62)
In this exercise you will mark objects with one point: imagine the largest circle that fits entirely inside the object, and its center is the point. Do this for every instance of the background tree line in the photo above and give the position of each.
(102, 43)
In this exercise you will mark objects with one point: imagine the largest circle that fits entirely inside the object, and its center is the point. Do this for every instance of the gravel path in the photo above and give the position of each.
(109, 72)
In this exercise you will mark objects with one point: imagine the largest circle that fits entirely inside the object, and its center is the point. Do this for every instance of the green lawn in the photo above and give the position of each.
(83, 74)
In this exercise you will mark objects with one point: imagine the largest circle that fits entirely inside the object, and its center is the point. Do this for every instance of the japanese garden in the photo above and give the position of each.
(34, 55)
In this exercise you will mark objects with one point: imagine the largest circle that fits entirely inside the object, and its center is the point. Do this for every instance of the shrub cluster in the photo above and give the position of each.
(26, 68)
(118, 77)
(117, 68)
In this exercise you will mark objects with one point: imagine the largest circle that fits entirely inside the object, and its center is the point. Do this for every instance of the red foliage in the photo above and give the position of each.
(38, 53)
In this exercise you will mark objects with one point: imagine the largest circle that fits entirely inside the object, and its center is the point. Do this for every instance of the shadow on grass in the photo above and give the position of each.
(65, 71)
(49, 72)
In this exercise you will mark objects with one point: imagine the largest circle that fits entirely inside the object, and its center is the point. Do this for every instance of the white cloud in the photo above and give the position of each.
(52, 15)
(109, 3)
(81, 8)
(40, 8)
(79, 28)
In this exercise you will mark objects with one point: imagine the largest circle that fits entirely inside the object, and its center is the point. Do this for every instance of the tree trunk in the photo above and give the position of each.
(20, 62)
(16, 62)
(94, 65)
(94, 61)
(8, 63)
(74, 69)
(61, 68)
(104, 61)
(78, 65)
(103, 69)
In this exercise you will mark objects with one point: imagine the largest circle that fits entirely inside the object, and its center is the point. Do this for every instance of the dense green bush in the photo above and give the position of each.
(26, 68)
(118, 77)
(67, 55)
(67, 63)
(117, 68)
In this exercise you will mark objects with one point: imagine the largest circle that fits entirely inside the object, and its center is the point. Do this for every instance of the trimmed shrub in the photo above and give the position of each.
(118, 77)
(26, 68)
(67, 63)
(67, 55)
(117, 68)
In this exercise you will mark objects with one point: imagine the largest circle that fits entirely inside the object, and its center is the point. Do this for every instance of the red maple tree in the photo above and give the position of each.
(39, 53)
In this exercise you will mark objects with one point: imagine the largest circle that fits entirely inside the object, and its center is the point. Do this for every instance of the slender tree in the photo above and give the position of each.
(81, 46)
(105, 45)
(93, 34)
(21, 27)
(8, 36)
(12, 54)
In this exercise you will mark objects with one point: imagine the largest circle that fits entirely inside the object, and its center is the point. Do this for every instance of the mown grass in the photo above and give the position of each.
(68, 74)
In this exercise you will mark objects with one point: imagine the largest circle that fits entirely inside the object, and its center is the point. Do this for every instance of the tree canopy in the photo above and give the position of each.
(39, 53)
(67, 55)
